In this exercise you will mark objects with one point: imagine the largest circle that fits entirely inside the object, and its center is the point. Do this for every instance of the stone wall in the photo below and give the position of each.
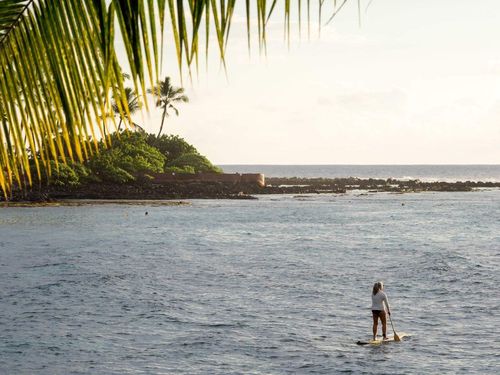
(231, 178)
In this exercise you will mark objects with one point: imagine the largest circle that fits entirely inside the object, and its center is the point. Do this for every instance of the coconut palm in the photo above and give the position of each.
(132, 102)
(166, 96)
(70, 46)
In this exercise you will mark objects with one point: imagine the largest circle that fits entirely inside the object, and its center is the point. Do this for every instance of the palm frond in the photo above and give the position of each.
(132, 103)
(59, 69)
(175, 109)
(10, 13)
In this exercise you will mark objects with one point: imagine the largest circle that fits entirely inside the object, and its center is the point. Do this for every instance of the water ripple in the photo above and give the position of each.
(275, 286)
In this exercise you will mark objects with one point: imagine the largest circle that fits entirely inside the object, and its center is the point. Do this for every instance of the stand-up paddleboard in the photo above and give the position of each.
(382, 341)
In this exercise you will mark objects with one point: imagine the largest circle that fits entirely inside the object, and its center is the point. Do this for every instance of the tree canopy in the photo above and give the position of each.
(181, 157)
(130, 157)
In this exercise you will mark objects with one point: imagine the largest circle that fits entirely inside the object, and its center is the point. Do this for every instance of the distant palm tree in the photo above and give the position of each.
(167, 95)
(133, 103)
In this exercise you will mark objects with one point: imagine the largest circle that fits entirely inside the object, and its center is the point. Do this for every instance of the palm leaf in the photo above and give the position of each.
(53, 106)
(59, 68)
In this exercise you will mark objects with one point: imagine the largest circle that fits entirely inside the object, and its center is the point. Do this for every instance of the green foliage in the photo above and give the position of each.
(106, 168)
(128, 157)
(84, 174)
(63, 175)
(171, 146)
(196, 161)
(177, 170)
(131, 157)
(69, 175)
(181, 156)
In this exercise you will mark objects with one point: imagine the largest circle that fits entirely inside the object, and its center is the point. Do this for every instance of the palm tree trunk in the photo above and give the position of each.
(119, 124)
(162, 121)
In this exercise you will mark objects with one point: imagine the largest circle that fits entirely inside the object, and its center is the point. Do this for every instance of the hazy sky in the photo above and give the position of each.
(418, 83)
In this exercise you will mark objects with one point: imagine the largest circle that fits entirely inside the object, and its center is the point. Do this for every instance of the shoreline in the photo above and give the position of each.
(375, 184)
(174, 193)
(93, 202)
(69, 202)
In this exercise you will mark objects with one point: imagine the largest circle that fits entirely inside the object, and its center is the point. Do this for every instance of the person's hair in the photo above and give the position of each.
(377, 286)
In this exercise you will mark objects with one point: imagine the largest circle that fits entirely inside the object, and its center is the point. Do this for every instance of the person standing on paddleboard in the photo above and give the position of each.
(379, 305)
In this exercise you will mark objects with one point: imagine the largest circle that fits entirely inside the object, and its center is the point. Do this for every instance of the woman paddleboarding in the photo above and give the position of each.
(380, 306)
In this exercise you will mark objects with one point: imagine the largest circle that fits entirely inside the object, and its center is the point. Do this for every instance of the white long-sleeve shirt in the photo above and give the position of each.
(378, 301)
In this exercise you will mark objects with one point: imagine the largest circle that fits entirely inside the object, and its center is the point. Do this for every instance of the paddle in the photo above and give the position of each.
(396, 337)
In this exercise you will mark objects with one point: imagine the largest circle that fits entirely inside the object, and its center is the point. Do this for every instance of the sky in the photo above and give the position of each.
(417, 83)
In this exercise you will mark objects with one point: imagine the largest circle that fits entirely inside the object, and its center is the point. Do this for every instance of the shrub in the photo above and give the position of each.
(171, 146)
(60, 175)
(128, 156)
(198, 162)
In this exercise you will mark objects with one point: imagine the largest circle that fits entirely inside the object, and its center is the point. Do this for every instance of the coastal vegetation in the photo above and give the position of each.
(59, 106)
(131, 157)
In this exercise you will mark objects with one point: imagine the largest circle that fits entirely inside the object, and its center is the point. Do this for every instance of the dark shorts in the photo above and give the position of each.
(378, 313)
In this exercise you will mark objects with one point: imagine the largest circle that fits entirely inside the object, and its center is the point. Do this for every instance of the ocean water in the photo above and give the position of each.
(279, 285)
(428, 173)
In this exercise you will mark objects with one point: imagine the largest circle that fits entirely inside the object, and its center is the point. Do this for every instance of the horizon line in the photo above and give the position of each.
(361, 164)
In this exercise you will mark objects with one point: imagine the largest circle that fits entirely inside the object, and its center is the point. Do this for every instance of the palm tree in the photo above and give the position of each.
(167, 95)
(70, 47)
(132, 102)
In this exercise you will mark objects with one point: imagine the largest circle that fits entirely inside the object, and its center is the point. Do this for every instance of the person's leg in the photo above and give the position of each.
(384, 323)
(375, 324)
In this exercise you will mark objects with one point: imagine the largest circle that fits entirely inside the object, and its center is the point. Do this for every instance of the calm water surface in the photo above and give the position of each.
(275, 286)
(450, 173)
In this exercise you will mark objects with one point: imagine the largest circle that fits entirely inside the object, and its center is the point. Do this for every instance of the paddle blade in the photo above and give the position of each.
(396, 337)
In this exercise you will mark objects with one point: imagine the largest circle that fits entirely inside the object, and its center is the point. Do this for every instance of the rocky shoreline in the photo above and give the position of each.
(327, 185)
(220, 190)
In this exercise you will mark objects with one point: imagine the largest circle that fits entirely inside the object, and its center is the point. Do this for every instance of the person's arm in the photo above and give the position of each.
(386, 301)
